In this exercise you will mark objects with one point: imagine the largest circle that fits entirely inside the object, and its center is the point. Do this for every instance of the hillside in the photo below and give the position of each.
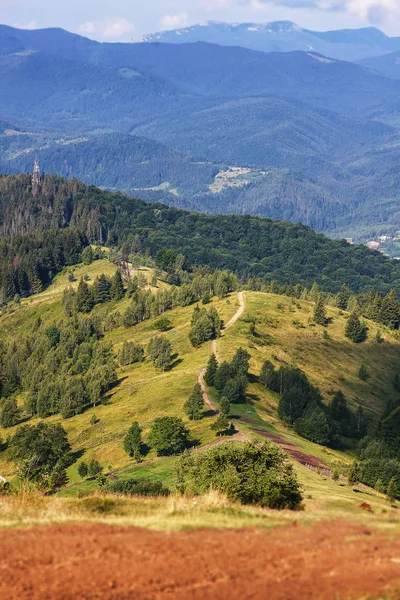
(248, 246)
(142, 393)
(387, 65)
(283, 36)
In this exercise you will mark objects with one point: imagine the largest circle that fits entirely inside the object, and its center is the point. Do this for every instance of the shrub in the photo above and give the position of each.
(163, 324)
(141, 487)
(250, 473)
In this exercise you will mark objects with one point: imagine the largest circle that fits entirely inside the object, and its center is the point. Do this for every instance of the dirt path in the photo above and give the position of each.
(240, 436)
(91, 561)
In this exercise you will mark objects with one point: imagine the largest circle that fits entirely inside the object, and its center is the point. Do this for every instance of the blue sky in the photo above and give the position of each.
(120, 20)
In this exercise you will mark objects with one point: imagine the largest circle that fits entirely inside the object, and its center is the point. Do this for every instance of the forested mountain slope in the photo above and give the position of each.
(318, 135)
(248, 246)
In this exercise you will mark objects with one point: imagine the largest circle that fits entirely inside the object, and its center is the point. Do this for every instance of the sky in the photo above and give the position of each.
(123, 20)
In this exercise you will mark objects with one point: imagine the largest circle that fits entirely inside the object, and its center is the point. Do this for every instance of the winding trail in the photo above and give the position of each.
(240, 435)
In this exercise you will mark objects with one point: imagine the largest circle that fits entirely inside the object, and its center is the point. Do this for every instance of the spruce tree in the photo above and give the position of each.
(363, 373)
(10, 415)
(84, 298)
(133, 441)
(212, 367)
(117, 287)
(355, 330)
(390, 311)
(83, 470)
(195, 403)
(225, 406)
(343, 297)
(320, 312)
(393, 490)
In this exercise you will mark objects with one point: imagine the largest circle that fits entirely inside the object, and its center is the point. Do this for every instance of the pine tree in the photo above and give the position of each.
(343, 297)
(101, 289)
(83, 470)
(314, 292)
(363, 373)
(117, 287)
(10, 415)
(390, 311)
(225, 406)
(84, 298)
(212, 367)
(195, 403)
(133, 441)
(393, 490)
(221, 425)
(355, 330)
(320, 312)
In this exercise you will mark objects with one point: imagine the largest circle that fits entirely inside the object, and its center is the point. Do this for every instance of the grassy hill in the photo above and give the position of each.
(142, 393)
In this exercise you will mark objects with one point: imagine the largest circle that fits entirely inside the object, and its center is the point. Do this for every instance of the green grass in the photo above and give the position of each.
(143, 393)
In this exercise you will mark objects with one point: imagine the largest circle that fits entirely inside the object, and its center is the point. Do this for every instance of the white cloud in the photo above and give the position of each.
(174, 21)
(87, 28)
(117, 29)
(111, 30)
(368, 10)
(29, 25)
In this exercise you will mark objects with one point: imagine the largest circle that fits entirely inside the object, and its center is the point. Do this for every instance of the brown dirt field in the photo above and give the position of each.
(334, 560)
(293, 451)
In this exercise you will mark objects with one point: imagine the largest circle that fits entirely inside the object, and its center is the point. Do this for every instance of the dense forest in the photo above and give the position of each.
(247, 246)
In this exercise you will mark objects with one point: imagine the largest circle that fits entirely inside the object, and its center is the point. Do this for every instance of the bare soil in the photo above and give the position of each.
(308, 460)
(335, 560)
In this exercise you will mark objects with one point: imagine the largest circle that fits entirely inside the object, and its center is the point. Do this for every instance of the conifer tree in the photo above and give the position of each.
(393, 490)
(343, 297)
(117, 287)
(133, 441)
(212, 367)
(84, 298)
(195, 403)
(10, 414)
(314, 292)
(389, 313)
(355, 330)
(320, 312)
(225, 406)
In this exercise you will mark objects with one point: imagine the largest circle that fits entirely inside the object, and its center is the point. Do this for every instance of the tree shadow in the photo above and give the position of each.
(209, 413)
(175, 362)
(193, 444)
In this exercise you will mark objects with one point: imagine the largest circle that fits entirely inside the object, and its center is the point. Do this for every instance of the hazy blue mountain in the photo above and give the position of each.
(115, 161)
(387, 65)
(48, 91)
(284, 36)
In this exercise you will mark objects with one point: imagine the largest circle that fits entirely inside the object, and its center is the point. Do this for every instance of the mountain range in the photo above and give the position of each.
(283, 36)
(293, 135)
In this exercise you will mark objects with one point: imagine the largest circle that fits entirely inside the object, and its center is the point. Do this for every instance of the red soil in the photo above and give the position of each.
(92, 561)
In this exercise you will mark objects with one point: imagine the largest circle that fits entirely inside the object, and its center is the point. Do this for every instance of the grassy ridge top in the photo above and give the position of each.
(143, 393)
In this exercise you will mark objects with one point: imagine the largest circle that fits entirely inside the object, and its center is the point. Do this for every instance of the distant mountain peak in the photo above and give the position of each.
(282, 36)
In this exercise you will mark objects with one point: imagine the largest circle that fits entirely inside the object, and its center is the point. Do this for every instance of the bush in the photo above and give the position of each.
(141, 487)
(83, 470)
(94, 468)
(250, 473)
(168, 436)
(163, 324)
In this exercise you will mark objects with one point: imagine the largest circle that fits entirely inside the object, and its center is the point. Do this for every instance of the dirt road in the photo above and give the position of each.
(92, 561)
